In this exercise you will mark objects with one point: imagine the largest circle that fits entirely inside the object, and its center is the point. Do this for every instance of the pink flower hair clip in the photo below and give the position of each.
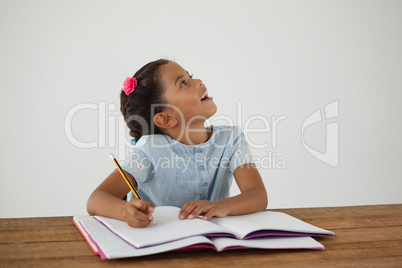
(129, 85)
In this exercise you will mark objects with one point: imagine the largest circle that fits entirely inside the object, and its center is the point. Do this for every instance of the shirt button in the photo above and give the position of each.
(199, 150)
(203, 196)
(204, 183)
(201, 167)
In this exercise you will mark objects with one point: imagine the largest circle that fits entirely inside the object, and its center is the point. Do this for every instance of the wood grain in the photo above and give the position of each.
(367, 236)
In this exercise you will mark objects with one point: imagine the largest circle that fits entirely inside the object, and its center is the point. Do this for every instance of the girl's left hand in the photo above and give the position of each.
(203, 207)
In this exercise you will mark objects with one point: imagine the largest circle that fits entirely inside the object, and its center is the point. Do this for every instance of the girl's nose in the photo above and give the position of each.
(198, 83)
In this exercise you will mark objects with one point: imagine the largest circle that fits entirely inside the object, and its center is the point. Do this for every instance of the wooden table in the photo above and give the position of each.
(367, 236)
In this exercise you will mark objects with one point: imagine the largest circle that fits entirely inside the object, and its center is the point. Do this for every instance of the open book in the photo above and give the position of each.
(169, 228)
(112, 238)
(111, 246)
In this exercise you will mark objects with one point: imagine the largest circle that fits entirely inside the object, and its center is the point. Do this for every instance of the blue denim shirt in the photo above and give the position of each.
(169, 173)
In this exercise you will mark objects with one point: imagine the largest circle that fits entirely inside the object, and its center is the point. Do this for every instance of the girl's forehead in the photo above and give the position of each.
(171, 71)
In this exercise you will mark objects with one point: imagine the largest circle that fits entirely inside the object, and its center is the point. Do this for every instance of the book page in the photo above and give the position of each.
(112, 246)
(306, 242)
(167, 228)
(243, 225)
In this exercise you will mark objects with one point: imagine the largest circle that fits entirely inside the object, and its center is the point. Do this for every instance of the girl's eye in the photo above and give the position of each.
(184, 83)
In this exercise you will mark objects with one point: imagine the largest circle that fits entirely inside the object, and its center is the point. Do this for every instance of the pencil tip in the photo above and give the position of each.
(111, 156)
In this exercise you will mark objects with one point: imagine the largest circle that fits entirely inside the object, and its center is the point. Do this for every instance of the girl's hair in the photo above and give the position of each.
(136, 107)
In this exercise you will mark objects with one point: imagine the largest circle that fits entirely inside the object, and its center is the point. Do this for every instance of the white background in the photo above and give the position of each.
(275, 58)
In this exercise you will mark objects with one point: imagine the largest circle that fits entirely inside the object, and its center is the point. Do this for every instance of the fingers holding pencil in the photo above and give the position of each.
(138, 213)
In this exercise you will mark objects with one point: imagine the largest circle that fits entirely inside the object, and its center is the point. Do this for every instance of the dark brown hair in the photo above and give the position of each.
(136, 107)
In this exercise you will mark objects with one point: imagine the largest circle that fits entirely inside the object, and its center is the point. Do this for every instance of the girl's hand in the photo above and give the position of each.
(202, 207)
(138, 213)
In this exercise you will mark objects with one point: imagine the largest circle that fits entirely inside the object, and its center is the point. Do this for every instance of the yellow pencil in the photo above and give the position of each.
(127, 180)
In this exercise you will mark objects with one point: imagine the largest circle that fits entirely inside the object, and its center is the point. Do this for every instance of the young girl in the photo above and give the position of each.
(177, 161)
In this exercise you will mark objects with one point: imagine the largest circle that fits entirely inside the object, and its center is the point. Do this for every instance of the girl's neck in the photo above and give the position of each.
(191, 135)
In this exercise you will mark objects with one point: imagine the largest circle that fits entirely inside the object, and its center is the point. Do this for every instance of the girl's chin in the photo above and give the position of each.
(213, 111)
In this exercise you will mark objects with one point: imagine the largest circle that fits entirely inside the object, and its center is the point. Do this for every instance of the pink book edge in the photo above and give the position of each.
(90, 241)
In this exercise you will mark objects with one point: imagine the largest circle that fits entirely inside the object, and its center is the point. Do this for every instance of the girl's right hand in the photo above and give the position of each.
(138, 213)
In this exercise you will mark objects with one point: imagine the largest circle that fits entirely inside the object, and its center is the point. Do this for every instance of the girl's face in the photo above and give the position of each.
(188, 96)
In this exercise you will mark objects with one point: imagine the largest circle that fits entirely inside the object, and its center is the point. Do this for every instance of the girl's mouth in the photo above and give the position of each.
(205, 96)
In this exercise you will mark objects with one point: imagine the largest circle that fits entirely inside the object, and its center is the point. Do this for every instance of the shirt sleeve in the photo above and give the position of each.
(241, 151)
(138, 164)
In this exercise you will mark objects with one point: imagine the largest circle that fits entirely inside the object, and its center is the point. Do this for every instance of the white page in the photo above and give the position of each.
(112, 246)
(304, 242)
(168, 228)
(108, 243)
(266, 220)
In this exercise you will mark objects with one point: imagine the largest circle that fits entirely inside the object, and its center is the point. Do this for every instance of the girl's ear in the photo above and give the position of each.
(164, 120)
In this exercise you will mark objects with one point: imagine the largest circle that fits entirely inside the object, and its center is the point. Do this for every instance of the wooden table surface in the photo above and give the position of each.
(367, 236)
